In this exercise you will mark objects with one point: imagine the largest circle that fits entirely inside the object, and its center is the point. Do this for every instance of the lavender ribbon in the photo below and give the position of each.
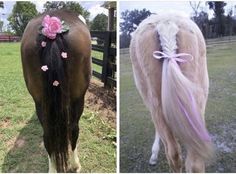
(179, 57)
(195, 120)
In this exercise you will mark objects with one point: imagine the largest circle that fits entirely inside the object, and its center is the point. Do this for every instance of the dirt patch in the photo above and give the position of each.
(5, 123)
(10, 143)
(102, 100)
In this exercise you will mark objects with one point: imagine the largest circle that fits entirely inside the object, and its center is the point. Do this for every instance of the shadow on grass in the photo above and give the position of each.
(28, 154)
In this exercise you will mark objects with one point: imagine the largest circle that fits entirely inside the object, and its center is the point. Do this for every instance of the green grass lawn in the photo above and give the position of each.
(21, 147)
(137, 130)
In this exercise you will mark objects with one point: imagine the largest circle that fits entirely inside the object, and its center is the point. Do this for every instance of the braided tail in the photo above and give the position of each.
(56, 98)
(178, 101)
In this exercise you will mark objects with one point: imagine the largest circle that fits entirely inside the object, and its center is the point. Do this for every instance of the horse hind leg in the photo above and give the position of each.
(173, 155)
(74, 161)
(172, 147)
(76, 111)
(194, 163)
(155, 149)
(51, 165)
(51, 161)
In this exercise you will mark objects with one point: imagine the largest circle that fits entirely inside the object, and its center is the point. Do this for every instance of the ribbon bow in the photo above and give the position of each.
(180, 57)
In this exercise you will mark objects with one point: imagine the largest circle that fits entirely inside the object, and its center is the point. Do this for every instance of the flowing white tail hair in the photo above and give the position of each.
(178, 94)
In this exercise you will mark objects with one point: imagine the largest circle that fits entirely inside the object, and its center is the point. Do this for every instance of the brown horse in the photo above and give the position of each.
(57, 72)
(168, 55)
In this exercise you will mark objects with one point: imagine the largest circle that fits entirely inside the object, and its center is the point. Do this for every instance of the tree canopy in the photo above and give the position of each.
(131, 19)
(22, 13)
(69, 5)
(218, 8)
(1, 4)
(1, 22)
(99, 23)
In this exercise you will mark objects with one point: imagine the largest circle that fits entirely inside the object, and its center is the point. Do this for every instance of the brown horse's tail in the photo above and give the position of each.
(179, 105)
(56, 108)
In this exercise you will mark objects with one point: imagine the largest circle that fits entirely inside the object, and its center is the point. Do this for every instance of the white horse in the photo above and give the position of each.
(168, 55)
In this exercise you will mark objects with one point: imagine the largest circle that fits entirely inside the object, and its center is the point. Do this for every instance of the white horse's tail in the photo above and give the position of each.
(178, 94)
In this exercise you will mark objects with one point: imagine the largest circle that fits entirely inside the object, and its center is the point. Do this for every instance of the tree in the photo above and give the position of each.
(1, 22)
(229, 22)
(99, 23)
(202, 21)
(124, 40)
(69, 5)
(195, 6)
(1, 26)
(22, 13)
(131, 19)
(218, 8)
(1, 4)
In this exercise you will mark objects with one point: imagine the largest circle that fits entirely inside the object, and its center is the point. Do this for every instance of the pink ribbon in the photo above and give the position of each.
(180, 57)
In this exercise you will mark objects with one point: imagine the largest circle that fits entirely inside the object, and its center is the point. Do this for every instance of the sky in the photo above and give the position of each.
(182, 7)
(94, 7)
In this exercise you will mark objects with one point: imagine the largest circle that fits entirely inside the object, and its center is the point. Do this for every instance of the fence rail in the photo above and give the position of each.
(221, 40)
(105, 43)
(9, 38)
(209, 42)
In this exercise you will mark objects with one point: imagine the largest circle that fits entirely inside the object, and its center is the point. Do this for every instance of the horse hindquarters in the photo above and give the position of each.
(169, 119)
(147, 76)
(58, 107)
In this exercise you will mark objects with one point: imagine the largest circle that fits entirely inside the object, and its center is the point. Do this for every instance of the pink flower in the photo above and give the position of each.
(51, 26)
(64, 55)
(43, 44)
(55, 83)
(44, 68)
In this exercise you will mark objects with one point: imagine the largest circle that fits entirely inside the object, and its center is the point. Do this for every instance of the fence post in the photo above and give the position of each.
(105, 65)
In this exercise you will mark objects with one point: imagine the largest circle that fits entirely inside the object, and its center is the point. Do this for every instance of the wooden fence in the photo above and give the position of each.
(9, 38)
(105, 42)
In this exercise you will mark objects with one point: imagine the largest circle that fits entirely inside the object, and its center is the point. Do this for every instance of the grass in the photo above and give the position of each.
(137, 130)
(21, 146)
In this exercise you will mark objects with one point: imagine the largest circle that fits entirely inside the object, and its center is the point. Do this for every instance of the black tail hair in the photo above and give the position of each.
(56, 108)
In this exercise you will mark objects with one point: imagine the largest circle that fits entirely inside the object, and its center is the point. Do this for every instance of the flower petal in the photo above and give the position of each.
(43, 44)
(55, 83)
(44, 68)
(51, 26)
(45, 20)
(64, 55)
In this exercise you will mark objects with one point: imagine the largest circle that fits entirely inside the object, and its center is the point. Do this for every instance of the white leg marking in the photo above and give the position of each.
(155, 150)
(52, 166)
(74, 160)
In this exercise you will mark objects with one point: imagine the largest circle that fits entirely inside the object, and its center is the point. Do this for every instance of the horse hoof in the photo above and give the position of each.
(74, 170)
(153, 161)
(78, 169)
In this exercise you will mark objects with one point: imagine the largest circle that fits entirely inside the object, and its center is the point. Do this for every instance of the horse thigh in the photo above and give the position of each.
(39, 112)
(77, 107)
